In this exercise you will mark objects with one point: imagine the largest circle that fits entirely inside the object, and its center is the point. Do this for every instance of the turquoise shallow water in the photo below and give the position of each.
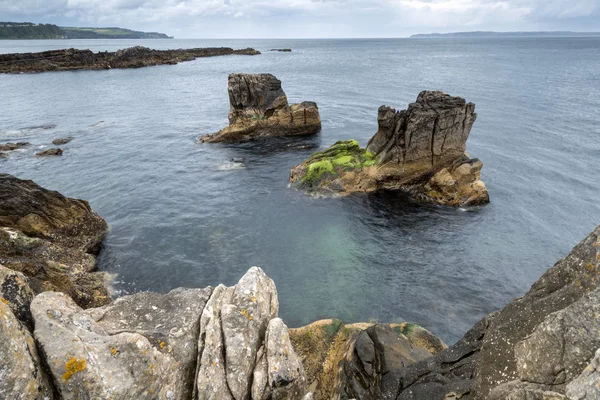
(177, 220)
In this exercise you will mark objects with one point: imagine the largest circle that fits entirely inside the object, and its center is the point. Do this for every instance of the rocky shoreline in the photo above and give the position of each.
(133, 57)
(62, 337)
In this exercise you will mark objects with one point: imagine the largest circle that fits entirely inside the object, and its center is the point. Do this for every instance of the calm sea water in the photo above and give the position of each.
(176, 219)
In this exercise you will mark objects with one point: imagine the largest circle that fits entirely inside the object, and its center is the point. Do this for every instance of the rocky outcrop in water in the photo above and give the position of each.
(51, 239)
(13, 146)
(133, 57)
(50, 152)
(61, 141)
(259, 108)
(420, 150)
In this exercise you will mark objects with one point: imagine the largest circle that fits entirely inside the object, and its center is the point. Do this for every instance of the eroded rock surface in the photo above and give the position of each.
(236, 359)
(420, 150)
(52, 239)
(352, 360)
(259, 108)
(133, 57)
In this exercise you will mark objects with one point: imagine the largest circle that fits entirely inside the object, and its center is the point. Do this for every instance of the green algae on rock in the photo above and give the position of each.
(322, 168)
(420, 150)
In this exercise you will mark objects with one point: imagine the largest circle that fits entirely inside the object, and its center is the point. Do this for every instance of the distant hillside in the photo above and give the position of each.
(483, 34)
(28, 30)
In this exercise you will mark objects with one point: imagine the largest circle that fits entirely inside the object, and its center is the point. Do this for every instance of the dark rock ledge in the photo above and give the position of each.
(71, 342)
(133, 57)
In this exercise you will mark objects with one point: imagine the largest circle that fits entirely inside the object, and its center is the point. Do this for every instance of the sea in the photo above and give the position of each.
(181, 213)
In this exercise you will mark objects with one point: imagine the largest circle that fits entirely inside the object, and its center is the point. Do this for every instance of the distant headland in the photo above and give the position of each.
(28, 30)
(486, 34)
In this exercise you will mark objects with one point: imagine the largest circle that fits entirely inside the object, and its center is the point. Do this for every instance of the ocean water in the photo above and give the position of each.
(180, 216)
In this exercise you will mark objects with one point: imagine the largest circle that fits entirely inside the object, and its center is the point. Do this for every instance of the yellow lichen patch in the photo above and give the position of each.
(161, 344)
(2, 299)
(246, 314)
(253, 299)
(113, 351)
(73, 366)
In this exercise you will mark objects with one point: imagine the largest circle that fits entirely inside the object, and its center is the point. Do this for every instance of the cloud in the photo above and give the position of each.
(293, 18)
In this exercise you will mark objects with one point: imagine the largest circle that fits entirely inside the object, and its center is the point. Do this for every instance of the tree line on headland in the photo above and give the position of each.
(28, 30)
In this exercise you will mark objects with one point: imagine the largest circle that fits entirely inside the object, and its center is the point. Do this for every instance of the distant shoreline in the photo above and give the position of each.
(490, 34)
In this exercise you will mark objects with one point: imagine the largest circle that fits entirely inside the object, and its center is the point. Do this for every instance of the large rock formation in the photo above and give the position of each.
(420, 150)
(52, 239)
(259, 108)
(225, 343)
(133, 57)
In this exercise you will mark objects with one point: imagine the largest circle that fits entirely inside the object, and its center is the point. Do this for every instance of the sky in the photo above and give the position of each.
(310, 18)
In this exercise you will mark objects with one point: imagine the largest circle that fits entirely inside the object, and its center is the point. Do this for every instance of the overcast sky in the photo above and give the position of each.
(310, 18)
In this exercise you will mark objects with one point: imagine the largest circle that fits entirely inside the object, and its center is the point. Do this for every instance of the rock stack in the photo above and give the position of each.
(259, 108)
(420, 150)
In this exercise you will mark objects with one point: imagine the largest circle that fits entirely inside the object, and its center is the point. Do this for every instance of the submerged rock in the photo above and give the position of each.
(420, 150)
(50, 152)
(52, 239)
(282, 50)
(13, 146)
(259, 108)
(59, 141)
(21, 374)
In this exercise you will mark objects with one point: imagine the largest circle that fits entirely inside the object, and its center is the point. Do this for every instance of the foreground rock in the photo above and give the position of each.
(133, 57)
(420, 150)
(349, 360)
(52, 240)
(259, 108)
(540, 346)
(21, 373)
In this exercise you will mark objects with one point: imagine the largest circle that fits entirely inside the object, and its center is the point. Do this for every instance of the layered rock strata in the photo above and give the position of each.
(133, 57)
(51, 239)
(259, 108)
(420, 150)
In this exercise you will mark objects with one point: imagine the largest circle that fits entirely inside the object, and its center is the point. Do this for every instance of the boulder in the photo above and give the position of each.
(16, 293)
(420, 150)
(52, 239)
(88, 361)
(259, 108)
(21, 374)
(59, 141)
(50, 152)
(236, 359)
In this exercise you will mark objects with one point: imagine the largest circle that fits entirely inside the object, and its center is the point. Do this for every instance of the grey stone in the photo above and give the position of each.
(21, 373)
(86, 362)
(170, 322)
(587, 385)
